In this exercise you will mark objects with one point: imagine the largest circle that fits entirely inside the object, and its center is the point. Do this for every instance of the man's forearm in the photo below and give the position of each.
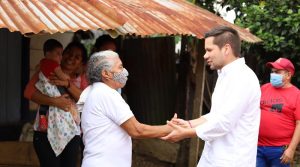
(195, 122)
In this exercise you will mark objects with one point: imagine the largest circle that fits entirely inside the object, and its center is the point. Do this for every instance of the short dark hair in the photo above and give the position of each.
(79, 45)
(50, 45)
(102, 40)
(226, 35)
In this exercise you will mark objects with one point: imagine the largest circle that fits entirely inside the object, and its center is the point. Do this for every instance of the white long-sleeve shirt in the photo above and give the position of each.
(231, 130)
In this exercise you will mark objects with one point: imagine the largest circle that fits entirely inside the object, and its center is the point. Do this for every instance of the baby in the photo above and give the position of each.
(48, 66)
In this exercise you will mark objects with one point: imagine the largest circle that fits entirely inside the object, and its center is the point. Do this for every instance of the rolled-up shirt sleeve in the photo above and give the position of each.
(213, 127)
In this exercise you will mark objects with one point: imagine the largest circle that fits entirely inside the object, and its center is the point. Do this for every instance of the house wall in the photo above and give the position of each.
(151, 87)
(10, 72)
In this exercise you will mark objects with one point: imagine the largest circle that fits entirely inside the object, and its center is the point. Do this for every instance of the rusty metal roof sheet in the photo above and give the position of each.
(140, 17)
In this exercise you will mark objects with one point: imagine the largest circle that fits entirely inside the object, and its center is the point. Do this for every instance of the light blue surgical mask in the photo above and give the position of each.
(276, 80)
(119, 90)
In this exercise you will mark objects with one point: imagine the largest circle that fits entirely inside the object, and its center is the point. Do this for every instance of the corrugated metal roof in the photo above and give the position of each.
(140, 17)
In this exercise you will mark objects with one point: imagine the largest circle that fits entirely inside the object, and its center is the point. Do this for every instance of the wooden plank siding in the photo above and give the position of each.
(151, 88)
(10, 72)
(196, 146)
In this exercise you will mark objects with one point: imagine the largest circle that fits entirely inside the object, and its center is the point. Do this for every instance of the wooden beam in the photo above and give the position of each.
(196, 144)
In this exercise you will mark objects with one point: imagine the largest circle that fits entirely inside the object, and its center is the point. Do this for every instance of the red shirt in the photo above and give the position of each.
(48, 66)
(280, 108)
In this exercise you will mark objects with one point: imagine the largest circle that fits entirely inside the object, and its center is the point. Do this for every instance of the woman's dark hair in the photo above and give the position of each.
(100, 41)
(79, 45)
(50, 45)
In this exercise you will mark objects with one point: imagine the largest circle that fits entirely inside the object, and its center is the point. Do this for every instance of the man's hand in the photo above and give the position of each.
(178, 133)
(287, 156)
(180, 122)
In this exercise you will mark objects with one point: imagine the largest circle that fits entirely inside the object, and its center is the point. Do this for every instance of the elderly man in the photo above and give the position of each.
(107, 121)
(230, 130)
(279, 132)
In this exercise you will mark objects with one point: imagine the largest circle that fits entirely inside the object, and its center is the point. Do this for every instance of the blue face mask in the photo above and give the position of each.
(119, 90)
(276, 80)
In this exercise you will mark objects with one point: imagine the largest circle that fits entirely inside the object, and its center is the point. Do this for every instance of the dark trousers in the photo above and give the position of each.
(46, 156)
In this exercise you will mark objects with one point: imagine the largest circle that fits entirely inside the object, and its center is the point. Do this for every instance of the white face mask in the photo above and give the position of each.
(121, 77)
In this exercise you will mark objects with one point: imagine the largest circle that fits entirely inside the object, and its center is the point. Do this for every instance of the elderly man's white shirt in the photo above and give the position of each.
(231, 130)
(106, 143)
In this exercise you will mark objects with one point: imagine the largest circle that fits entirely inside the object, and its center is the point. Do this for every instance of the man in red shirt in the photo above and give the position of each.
(279, 132)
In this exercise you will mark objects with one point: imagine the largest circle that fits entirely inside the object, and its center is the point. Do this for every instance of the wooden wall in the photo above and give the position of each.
(151, 88)
(10, 72)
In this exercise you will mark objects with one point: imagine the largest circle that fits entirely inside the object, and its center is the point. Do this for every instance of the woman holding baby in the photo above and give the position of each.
(50, 149)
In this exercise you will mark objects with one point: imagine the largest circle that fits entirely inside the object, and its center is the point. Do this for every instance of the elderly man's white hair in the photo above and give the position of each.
(100, 61)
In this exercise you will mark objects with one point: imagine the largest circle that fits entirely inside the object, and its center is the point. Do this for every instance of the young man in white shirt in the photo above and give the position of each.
(230, 130)
(107, 121)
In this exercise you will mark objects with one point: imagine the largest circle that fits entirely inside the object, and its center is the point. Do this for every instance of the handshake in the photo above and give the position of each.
(180, 129)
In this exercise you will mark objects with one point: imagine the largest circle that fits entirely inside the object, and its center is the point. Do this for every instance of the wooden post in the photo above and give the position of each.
(196, 144)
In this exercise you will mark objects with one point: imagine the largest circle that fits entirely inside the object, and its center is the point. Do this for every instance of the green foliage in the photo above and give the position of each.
(276, 22)
(207, 4)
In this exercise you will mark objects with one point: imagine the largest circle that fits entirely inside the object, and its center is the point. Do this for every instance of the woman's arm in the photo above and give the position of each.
(60, 74)
(138, 130)
(72, 89)
(63, 102)
(31, 93)
(30, 88)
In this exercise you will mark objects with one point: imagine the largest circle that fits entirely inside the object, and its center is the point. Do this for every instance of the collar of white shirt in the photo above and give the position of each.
(231, 66)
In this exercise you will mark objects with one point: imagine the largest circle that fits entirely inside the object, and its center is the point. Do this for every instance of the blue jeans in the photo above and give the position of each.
(268, 156)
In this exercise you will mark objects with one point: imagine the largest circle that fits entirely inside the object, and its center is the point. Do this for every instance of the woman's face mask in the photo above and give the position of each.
(276, 80)
(121, 77)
